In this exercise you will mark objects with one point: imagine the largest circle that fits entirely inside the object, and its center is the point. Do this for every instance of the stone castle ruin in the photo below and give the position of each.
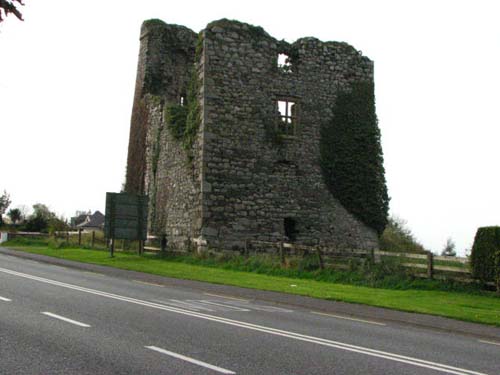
(225, 136)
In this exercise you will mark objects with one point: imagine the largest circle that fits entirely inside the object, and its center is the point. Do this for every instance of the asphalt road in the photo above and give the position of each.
(57, 320)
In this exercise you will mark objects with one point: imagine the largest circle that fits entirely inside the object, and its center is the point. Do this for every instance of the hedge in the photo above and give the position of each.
(484, 255)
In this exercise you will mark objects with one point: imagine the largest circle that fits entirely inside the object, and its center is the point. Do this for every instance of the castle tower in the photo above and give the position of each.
(225, 136)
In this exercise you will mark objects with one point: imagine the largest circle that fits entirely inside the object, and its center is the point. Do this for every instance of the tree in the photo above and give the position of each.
(4, 204)
(449, 248)
(398, 237)
(15, 215)
(44, 220)
(40, 209)
(39, 220)
(10, 6)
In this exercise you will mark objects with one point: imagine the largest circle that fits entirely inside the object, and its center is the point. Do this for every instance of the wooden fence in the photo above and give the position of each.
(426, 265)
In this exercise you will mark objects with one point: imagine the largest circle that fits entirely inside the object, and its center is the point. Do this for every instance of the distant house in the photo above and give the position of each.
(88, 221)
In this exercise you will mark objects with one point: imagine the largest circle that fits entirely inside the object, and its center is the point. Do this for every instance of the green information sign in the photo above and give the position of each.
(126, 216)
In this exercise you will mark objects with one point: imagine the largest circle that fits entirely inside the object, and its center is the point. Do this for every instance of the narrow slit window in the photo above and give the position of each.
(290, 226)
(287, 116)
(182, 100)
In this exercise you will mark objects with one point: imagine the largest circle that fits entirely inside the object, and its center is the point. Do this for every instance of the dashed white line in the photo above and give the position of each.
(489, 342)
(5, 299)
(348, 318)
(191, 360)
(76, 323)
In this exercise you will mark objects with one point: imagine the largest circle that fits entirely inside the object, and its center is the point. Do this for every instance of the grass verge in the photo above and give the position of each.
(474, 307)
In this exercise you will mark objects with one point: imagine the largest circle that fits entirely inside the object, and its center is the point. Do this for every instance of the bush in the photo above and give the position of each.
(36, 224)
(486, 245)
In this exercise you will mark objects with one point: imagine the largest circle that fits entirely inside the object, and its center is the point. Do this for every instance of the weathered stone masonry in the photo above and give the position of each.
(241, 178)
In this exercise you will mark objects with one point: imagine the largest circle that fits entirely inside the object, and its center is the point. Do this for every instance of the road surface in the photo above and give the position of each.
(57, 320)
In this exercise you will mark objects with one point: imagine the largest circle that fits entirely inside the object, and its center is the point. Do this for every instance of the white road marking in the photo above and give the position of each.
(76, 323)
(191, 360)
(5, 299)
(94, 273)
(489, 342)
(184, 305)
(146, 283)
(259, 307)
(221, 304)
(222, 296)
(348, 318)
(255, 327)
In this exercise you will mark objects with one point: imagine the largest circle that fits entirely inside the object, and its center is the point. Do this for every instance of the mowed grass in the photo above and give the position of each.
(477, 308)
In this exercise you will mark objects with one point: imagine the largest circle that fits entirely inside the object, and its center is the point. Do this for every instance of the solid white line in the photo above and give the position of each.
(191, 360)
(222, 305)
(178, 305)
(259, 307)
(348, 318)
(66, 319)
(183, 305)
(296, 336)
(196, 306)
(5, 299)
(489, 342)
(221, 296)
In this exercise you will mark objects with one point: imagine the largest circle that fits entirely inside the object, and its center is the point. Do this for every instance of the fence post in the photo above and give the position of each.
(92, 242)
(372, 255)
(67, 237)
(497, 271)
(112, 247)
(163, 244)
(246, 248)
(320, 258)
(430, 265)
(282, 253)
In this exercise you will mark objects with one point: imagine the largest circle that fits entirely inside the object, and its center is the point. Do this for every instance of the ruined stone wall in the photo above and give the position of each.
(253, 181)
(157, 164)
(240, 180)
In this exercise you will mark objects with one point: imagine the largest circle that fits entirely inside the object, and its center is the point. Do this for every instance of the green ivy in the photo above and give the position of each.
(183, 121)
(351, 156)
(175, 117)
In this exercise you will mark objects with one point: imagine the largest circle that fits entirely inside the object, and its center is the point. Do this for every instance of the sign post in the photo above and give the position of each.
(126, 218)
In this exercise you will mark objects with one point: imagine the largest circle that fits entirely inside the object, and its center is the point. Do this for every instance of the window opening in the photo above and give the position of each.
(287, 116)
(182, 100)
(284, 63)
(290, 228)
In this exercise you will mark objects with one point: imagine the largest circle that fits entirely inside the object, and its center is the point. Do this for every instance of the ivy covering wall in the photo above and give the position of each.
(352, 158)
(183, 121)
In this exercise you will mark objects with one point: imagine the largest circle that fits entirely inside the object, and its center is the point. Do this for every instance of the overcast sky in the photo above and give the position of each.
(67, 78)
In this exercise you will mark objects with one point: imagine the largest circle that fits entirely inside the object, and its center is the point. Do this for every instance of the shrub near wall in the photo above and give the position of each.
(484, 254)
